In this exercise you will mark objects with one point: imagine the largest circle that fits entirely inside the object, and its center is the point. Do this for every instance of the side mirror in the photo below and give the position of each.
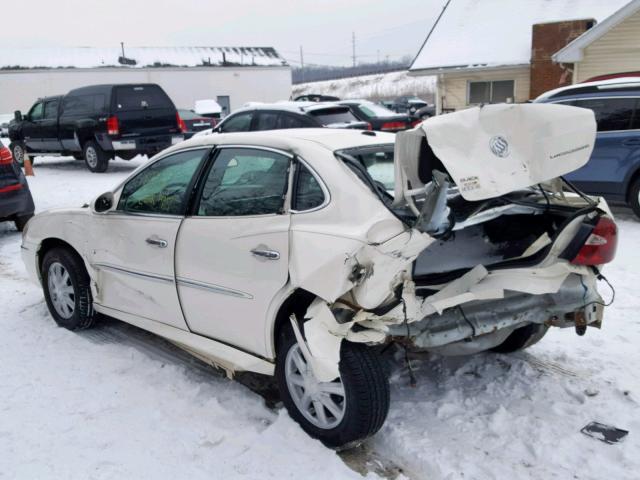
(103, 203)
(17, 115)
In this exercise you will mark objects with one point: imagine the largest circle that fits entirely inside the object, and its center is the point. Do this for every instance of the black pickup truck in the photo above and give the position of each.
(97, 123)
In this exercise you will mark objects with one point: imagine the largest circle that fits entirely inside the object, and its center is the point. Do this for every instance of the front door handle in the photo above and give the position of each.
(157, 242)
(269, 254)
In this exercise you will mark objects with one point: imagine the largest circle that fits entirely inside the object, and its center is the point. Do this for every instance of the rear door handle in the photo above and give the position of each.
(157, 242)
(631, 142)
(269, 254)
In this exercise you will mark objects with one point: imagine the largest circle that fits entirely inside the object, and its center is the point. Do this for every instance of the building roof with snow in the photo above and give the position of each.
(137, 57)
(475, 34)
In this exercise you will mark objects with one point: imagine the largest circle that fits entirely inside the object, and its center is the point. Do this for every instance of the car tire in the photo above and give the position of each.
(95, 157)
(365, 393)
(67, 290)
(522, 338)
(21, 221)
(17, 151)
(634, 197)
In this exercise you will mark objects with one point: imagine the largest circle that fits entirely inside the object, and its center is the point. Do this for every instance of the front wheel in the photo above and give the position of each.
(18, 150)
(338, 413)
(95, 157)
(66, 289)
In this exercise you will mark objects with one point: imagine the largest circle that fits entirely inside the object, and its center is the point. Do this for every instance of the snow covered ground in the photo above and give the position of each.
(116, 402)
(374, 87)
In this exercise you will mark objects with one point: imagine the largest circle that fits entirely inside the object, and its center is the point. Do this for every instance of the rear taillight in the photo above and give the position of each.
(5, 156)
(415, 123)
(393, 126)
(181, 125)
(113, 127)
(600, 247)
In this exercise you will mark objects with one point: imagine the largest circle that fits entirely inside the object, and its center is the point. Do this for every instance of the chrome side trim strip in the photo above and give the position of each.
(213, 288)
(150, 276)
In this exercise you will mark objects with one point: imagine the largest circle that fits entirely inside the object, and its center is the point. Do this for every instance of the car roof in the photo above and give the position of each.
(612, 85)
(293, 139)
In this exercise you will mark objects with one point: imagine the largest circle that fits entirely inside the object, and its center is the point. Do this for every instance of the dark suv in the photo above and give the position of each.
(614, 168)
(97, 123)
(278, 116)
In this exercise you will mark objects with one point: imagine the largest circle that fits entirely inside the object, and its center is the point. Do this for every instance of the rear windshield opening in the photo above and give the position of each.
(377, 161)
(138, 97)
(333, 115)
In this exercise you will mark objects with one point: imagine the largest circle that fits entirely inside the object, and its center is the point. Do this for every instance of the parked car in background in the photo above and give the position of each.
(277, 116)
(282, 253)
(614, 168)
(98, 123)
(194, 123)
(316, 97)
(16, 203)
(380, 118)
(425, 112)
(5, 119)
(407, 104)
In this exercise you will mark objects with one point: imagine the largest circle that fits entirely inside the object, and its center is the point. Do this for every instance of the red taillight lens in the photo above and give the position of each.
(113, 128)
(181, 125)
(415, 123)
(600, 246)
(393, 126)
(5, 156)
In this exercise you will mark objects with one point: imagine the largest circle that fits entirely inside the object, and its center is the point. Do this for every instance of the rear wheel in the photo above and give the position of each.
(339, 413)
(95, 157)
(66, 289)
(522, 338)
(21, 221)
(634, 196)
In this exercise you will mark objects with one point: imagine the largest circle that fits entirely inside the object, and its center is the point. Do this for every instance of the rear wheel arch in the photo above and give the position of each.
(633, 192)
(296, 303)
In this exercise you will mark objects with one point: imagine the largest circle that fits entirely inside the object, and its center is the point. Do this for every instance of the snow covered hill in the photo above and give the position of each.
(383, 86)
(118, 403)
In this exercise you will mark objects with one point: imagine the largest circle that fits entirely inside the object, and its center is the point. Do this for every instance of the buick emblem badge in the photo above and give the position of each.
(499, 146)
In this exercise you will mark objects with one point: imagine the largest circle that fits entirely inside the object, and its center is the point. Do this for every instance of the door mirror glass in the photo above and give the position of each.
(103, 203)
(17, 115)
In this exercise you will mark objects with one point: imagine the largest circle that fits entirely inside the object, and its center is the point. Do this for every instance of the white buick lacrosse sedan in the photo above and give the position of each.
(300, 253)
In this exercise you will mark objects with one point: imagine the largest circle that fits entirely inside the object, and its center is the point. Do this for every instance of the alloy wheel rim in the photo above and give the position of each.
(91, 156)
(18, 154)
(321, 403)
(61, 290)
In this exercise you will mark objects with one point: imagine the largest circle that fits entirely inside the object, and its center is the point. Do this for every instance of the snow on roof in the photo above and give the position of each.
(573, 51)
(136, 57)
(493, 33)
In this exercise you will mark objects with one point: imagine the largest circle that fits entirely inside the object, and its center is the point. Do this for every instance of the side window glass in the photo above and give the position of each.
(611, 113)
(244, 181)
(36, 111)
(238, 123)
(308, 193)
(635, 125)
(267, 121)
(51, 110)
(162, 187)
(291, 121)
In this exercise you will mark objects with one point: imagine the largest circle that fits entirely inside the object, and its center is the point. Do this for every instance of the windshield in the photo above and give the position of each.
(375, 110)
(327, 116)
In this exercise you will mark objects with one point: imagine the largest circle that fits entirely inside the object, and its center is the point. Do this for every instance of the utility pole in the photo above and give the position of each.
(378, 56)
(353, 44)
(301, 63)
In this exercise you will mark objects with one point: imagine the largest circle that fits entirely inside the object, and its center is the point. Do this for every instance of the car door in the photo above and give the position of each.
(31, 127)
(133, 247)
(232, 252)
(616, 146)
(49, 127)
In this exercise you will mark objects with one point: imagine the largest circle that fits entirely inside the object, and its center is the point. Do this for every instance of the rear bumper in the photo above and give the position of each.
(478, 318)
(16, 203)
(151, 144)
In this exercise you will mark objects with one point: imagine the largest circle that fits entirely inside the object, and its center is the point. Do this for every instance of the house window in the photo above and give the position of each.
(498, 91)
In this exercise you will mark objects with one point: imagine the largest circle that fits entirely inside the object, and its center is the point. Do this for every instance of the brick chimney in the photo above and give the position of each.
(547, 39)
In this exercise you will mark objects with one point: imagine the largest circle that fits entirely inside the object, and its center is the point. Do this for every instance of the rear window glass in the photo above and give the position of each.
(189, 115)
(140, 97)
(375, 110)
(377, 161)
(334, 115)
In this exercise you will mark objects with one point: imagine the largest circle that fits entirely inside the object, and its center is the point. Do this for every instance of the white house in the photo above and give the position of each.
(230, 75)
(483, 51)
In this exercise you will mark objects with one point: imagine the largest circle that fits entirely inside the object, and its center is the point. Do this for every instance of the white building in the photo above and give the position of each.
(231, 75)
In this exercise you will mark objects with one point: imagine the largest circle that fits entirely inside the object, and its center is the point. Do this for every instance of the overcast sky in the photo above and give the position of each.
(393, 28)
